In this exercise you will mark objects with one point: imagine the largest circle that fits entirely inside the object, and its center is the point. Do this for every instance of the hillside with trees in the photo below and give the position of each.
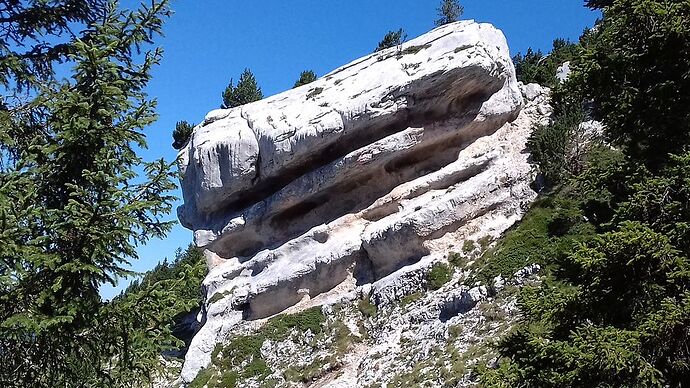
(613, 306)
(609, 229)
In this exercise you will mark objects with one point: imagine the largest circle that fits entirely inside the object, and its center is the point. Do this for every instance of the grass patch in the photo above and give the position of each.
(457, 260)
(468, 246)
(308, 373)
(462, 48)
(439, 275)
(549, 229)
(492, 312)
(407, 299)
(202, 378)
(414, 49)
(314, 92)
(218, 296)
(241, 357)
(367, 308)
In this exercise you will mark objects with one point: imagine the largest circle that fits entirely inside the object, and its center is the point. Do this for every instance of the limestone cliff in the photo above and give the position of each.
(353, 186)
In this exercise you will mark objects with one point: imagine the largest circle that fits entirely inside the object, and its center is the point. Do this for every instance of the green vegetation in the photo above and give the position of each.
(218, 296)
(449, 11)
(553, 225)
(549, 144)
(306, 77)
(246, 91)
(314, 92)
(240, 358)
(535, 67)
(414, 49)
(392, 39)
(181, 134)
(408, 299)
(367, 308)
(458, 260)
(468, 246)
(440, 274)
(613, 307)
(75, 198)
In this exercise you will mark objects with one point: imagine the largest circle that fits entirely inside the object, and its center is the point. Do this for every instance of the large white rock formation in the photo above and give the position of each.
(341, 186)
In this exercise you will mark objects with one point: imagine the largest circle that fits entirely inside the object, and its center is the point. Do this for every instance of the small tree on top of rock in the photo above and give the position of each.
(392, 39)
(246, 91)
(449, 11)
(181, 134)
(306, 77)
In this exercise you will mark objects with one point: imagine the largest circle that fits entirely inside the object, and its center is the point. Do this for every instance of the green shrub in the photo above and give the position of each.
(202, 378)
(314, 92)
(181, 134)
(407, 299)
(414, 49)
(548, 230)
(367, 308)
(440, 274)
(457, 260)
(306, 77)
(391, 39)
(278, 327)
(228, 379)
(468, 246)
(218, 296)
(551, 144)
(484, 242)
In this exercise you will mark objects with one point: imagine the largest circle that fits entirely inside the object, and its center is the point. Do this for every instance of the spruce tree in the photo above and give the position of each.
(306, 77)
(181, 134)
(246, 91)
(448, 12)
(72, 207)
(392, 39)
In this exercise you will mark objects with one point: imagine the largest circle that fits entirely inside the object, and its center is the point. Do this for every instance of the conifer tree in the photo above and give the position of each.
(392, 39)
(72, 208)
(448, 12)
(615, 310)
(246, 91)
(306, 77)
(181, 134)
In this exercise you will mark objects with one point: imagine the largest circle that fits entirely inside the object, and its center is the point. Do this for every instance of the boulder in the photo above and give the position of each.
(351, 182)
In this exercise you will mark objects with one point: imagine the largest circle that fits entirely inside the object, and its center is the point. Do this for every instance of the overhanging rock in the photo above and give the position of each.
(345, 182)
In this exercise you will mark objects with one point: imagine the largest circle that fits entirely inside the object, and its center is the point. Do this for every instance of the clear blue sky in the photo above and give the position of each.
(208, 42)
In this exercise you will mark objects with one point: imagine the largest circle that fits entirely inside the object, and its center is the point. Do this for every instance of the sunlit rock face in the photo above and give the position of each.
(341, 186)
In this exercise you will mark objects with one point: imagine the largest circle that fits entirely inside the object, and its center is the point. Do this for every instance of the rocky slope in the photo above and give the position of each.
(342, 200)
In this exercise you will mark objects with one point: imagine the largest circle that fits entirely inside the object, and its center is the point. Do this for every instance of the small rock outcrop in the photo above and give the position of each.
(350, 185)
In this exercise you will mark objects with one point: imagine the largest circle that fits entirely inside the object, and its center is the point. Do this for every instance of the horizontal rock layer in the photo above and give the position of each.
(351, 182)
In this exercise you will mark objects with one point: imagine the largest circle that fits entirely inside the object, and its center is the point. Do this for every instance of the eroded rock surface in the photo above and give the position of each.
(351, 185)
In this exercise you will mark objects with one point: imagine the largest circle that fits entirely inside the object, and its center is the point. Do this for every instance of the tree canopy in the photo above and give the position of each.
(72, 207)
(181, 134)
(246, 91)
(392, 39)
(306, 77)
(449, 11)
(613, 308)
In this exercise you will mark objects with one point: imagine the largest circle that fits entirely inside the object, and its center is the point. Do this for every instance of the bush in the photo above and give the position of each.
(550, 145)
(306, 77)
(552, 226)
(440, 274)
(535, 67)
(246, 91)
(392, 39)
(367, 308)
(181, 134)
